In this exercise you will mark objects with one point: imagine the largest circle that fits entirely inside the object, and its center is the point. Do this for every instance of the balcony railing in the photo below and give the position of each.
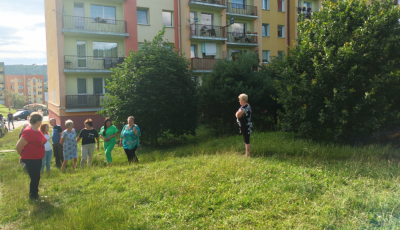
(91, 63)
(216, 2)
(235, 8)
(203, 63)
(94, 24)
(84, 101)
(242, 38)
(207, 30)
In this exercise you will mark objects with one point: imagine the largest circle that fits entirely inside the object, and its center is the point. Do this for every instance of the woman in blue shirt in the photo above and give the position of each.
(130, 139)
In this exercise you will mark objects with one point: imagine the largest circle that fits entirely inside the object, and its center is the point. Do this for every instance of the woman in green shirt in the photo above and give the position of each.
(108, 133)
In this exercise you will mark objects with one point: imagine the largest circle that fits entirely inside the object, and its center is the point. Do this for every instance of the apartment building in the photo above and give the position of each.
(85, 38)
(2, 85)
(29, 86)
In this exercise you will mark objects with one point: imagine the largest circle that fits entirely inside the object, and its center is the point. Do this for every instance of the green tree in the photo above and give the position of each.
(220, 90)
(342, 80)
(17, 101)
(154, 84)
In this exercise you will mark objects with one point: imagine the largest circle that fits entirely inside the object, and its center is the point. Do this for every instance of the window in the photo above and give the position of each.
(167, 19)
(39, 99)
(34, 93)
(21, 93)
(81, 86)
(140, 45)
(308, 5)
(12, 87)
(20, 87)
(105, 49)
(103, 14)
(142, 17)
(238, 28)
(98, 86)
(29, 86)
(39, 87)
(193, 51)
(265, 4)
(40, 93)
(265, 30)
(265, 56)
(281, 31)
(238, 4)
(281, 5)
(20, 81)
(39, 80)
(34, 80)
(280, 54)
(12, 80)
(2, 102)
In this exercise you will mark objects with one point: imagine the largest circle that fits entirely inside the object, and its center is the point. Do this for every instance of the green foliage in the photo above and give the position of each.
(156, 86)
(17, 101)
(220, 90)
(342, 80)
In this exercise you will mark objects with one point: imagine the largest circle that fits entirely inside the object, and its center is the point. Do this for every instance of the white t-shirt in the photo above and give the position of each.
(47, 146)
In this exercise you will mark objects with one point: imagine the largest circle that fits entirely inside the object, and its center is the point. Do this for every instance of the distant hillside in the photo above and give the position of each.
(26, 69)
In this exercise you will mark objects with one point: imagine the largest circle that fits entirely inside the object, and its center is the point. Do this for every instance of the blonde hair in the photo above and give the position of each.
(68, 123)
(244, 97)
(35, 117)
(131, 117)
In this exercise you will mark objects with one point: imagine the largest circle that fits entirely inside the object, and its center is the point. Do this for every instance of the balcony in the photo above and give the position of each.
(307, 12)
(207, 32)
(84, 102)
(241, 11)
(243, 39)
(90, 64)
(208, 3)
(98, 26)
(203, 65)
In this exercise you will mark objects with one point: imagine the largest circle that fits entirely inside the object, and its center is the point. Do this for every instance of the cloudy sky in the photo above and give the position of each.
(22, 32)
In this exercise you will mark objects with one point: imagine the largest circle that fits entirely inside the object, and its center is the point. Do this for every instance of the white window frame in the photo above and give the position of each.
(97, 58)
(20, 80)
(265, 4)
(172, 18)
(283, 6)
(268, 56)
(280, 51)
(266, 26)
(86, 86)
(109, 21)
(283, 31)
(21, 93)
(20, 87)
(147, 15)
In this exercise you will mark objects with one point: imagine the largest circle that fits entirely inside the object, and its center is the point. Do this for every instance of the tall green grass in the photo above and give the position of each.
(206, 183)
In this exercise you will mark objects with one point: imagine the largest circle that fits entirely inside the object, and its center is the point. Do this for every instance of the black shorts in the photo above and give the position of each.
(245, 132)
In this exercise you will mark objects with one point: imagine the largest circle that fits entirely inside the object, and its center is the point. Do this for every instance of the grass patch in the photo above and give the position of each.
(206, 183)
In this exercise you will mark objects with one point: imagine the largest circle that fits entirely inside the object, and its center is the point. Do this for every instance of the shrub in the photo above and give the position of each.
(342, 80)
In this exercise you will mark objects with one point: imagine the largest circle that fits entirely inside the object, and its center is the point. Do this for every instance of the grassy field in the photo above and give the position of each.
(4, 110)
(207, 184)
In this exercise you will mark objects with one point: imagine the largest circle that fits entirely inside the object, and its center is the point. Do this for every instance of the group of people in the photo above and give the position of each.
(36, 151)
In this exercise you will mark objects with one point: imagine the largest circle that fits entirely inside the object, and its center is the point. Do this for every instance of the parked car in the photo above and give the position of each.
(22, 115)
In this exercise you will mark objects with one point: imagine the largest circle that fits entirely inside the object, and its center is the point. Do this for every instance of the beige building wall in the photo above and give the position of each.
(69, 7)
(155, 9)
(72, 80)
(71, 43)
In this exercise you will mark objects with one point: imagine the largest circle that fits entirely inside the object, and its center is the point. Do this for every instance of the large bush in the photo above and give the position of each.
(220, 90)
(154, 84)
(342, 80)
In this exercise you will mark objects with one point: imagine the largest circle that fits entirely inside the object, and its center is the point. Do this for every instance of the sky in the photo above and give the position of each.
(22, 32)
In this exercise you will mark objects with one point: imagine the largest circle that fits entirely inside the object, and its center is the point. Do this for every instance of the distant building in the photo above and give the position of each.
(30, 86)
(2, 85)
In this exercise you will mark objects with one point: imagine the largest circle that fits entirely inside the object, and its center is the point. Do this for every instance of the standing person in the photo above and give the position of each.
(108, 133)
(130, 139)
(23, 128)
(10, 118)
(88, 136)
(31, 149)
(57, 146)
(44, 128)
(243, 116)
(68, 140)
(1, 118)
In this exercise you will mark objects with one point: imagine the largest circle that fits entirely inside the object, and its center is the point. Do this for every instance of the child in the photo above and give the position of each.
(44, 128)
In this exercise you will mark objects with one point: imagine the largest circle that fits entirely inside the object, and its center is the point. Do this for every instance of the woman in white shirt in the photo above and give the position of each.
(44, 128)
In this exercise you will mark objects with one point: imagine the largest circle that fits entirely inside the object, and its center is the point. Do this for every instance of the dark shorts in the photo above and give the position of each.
(12, 122)
(245, 132)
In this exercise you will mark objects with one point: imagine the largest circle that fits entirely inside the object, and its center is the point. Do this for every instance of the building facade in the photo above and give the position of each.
(2, 85)
(86, 38)
(29, 86)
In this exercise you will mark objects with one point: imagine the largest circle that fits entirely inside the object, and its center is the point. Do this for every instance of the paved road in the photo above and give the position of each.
(21, 123)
